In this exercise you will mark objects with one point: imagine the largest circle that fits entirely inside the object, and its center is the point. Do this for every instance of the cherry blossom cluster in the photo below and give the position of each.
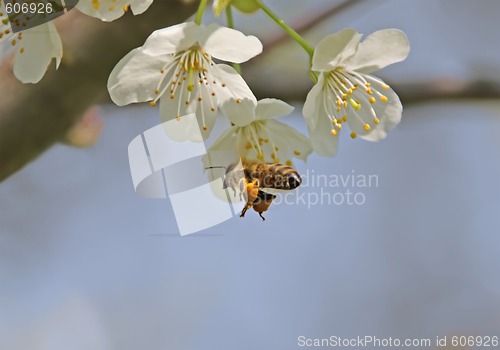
(193, 68)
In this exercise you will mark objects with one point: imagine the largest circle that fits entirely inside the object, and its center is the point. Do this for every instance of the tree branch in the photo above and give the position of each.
(409, 93)
(34, 117)
(309, 22)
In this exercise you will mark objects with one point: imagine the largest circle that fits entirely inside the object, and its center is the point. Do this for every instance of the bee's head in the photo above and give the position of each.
(294, 180)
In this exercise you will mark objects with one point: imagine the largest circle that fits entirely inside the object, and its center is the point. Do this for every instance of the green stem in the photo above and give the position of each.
(289, 30)
(201, 11)
(230, 24)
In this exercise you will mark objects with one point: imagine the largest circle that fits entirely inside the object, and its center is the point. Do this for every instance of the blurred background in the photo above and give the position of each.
(85, 263)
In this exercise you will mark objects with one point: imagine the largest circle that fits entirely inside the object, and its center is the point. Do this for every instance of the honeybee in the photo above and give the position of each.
(254, 176)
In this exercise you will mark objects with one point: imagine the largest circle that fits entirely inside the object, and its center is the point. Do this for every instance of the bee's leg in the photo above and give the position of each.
(263, 218)
(247, 206)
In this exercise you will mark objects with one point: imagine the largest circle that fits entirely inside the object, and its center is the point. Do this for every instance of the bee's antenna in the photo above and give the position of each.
(215, 167)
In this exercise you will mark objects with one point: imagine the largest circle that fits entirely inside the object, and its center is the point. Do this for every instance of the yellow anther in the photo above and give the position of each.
(95, 4)
(383, 98)
(349, 91)
(339, 126)
(111, 8)
(372, 100)
(353, 135)
(375, 120)
(367, 127)
(157, 91)
(345, 104)
(297, 153)
(289, 163)
(334, 132)
(21, 50)
(367, 84)
(276, 148)
(152, 103)
(335, 121)
(369, 91)
(13, 42)
(273, 156)
(344, 118)
(205, 128)
(238, 101)
(385, 86)
(260, 156)
(248, 145)
(354, 104)
(125, 8)
(178, 118)
(344, 96)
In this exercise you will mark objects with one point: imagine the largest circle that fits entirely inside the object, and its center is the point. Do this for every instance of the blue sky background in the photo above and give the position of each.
(87, 264)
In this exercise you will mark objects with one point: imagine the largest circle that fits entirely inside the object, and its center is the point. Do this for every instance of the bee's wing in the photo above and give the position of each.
(233, 187)
(275, 191)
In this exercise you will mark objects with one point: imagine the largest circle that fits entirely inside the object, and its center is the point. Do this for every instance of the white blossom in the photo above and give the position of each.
(34, 48)
(176, 67)
(109, 10)
(263, 138)
(346, 93)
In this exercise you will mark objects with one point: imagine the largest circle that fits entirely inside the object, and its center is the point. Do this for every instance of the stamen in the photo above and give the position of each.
(354, 104)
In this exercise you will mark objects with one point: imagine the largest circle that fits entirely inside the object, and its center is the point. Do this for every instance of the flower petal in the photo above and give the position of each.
(226, 142)
(105, 10)
(198, 102)
(314, 107)
(379, 50)
(240, 113)
(140, 6)
(229, 44)
(334, 50)
(39, 45)
(322, 140)
(389, 114)
(233, 95)
(135, 77)
(270, 108)
(172, 39)
(185, 128)
(290, 142)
